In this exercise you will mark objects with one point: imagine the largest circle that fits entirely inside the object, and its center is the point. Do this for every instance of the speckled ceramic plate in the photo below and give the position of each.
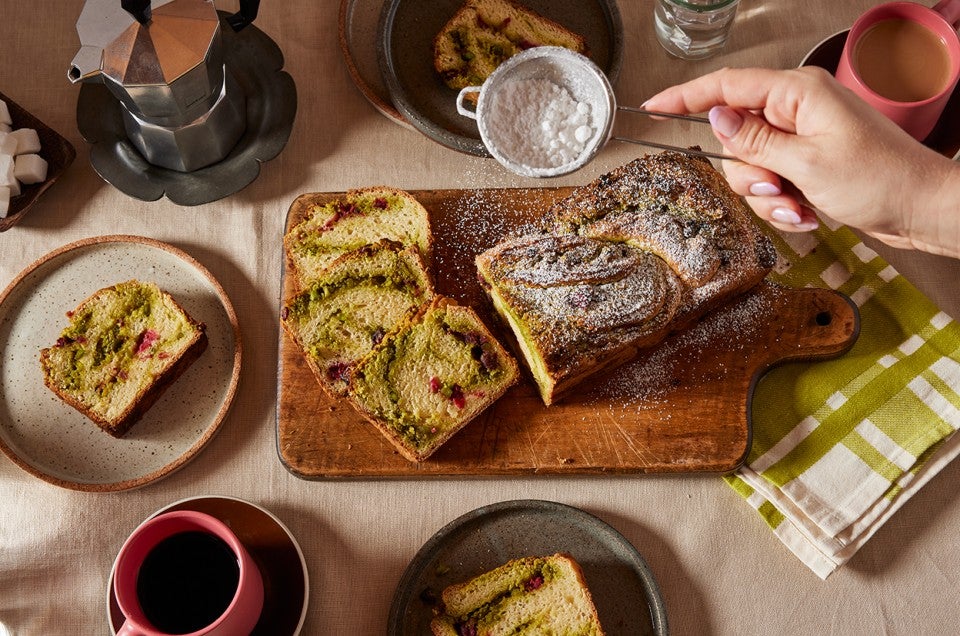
(54, 442)
(624, 591)
(945, 137)
(405, 53)
(286, 584)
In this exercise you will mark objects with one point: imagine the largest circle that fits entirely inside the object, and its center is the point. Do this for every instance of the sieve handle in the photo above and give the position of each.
(461, 96)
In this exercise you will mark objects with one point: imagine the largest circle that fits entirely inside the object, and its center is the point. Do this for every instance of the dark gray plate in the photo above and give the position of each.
(623, 588)
(256, 63)
(405, 52)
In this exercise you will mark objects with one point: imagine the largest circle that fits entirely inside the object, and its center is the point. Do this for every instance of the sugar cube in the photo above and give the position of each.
(5, 114)
(30, 168)
(15, 189)
(28, 141)
(7, 176)
(5, 128)
(4, 201)
(8, 144)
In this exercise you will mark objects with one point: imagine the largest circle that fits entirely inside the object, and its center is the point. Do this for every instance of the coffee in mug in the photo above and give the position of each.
(186, 572)
(902, 60)
(187, 581)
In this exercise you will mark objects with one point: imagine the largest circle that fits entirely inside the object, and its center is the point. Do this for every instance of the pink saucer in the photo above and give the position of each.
(285, 582)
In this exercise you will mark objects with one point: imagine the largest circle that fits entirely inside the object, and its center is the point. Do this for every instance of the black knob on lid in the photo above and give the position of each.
(246, 14)
(139, 9)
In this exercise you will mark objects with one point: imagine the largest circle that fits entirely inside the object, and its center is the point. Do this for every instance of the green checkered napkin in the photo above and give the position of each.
(839, 446)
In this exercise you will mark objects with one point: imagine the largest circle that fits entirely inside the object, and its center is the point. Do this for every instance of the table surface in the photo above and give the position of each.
(720, 569)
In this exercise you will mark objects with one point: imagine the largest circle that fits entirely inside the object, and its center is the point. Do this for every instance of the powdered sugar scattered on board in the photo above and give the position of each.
(648, 381)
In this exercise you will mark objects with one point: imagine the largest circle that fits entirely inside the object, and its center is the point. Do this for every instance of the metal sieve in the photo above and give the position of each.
(585, 82)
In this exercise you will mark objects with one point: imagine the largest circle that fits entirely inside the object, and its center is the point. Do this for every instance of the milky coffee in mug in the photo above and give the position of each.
(902, 60)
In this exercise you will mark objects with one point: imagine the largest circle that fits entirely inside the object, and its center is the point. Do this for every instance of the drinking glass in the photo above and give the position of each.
(693, 29)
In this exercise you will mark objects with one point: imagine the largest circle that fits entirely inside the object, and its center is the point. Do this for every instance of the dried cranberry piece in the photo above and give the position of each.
(468, 628)
(533, 583)
(377, 335)
(489, 361)
(147, 338)
(338, 371)
(380, 203)
(435, 384)
(457, 397)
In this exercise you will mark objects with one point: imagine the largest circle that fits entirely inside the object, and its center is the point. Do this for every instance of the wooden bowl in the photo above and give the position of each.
(57, 151)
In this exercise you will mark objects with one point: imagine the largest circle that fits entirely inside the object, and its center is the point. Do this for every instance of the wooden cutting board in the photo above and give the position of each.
(684, 407)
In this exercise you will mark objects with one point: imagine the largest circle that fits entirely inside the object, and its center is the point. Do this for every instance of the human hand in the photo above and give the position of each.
(806, 143)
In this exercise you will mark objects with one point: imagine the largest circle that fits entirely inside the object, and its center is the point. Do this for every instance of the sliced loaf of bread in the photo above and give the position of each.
(621, 263)
(524, 597)
(351, 305)
(124, 345)
(427, 379)
(362, 217)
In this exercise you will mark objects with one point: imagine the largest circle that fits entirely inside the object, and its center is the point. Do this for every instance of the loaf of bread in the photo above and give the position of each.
(524, 597)
(431, 376)
(360, 218)
(484, 33)
(351, 305)
(620, 264)
(123, 346)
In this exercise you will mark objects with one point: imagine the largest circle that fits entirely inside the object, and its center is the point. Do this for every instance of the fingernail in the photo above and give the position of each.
(764, 189)
(725, 120)
(785, 216)
(807, 226)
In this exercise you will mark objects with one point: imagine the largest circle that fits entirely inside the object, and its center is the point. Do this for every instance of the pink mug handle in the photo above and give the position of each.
(128, 630)
(950, 10)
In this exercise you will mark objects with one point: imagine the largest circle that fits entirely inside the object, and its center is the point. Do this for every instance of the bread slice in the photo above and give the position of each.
(362, 217)
(430, 377)
(526, 596)
(124, 345)
(484, 33)
(623, 262)
(351, 305)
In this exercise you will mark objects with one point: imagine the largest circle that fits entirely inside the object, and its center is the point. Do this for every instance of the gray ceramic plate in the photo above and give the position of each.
(622, 586)
(405, 52)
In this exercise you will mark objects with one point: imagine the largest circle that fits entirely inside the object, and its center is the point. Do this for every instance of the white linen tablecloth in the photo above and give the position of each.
(720, 569)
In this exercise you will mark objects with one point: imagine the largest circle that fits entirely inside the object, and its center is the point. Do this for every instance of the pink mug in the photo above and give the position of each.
(185, 572)
(918, 113)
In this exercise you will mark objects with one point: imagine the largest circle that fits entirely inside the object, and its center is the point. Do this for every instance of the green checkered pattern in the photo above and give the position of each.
(839, 445)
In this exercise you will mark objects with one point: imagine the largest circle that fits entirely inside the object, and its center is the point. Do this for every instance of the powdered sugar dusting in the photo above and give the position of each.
(650, 380)
(539, 124)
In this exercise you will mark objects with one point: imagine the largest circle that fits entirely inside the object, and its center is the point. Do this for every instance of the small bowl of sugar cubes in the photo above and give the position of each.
(32, 157)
